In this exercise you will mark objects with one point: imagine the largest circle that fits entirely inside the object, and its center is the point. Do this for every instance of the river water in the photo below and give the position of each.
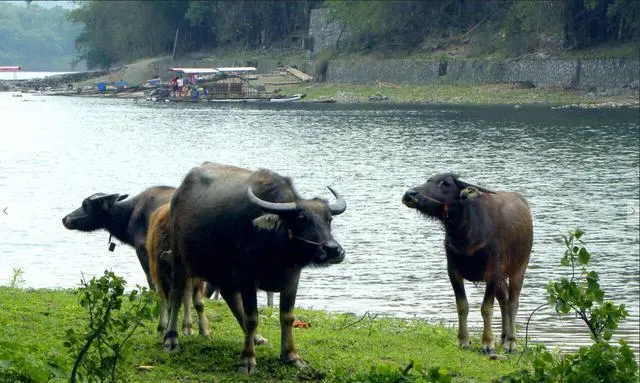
(576, 168)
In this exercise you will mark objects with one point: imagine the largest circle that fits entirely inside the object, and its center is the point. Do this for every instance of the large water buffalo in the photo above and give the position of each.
(126, 219)
(242, 230)
(488, 237)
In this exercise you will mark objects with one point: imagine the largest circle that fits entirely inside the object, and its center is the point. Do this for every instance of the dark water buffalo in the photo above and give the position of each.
(161, 269)
(125, 219)
(242, 230)
(488, 237)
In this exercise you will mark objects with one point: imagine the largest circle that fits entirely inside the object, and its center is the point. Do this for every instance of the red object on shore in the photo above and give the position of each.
(300, 324)
(14, 68)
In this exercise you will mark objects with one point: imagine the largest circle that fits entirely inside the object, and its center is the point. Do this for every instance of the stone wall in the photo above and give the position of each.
(596, 73)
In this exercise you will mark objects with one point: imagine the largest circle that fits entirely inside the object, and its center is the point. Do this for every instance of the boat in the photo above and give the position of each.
(221, 85)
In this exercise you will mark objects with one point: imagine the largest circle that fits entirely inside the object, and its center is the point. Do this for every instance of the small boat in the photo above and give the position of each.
(295, 97)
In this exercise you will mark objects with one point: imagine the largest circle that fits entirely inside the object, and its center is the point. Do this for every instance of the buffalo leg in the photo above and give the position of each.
(198, 303)
(487, 316)
(234, 302)
(515, 287)
(187, 323)
(143, 257)
(250, 304)
(503, 299)
(164, 315)
(178, 287)
(269, 298)
(462, 306)
(288, 352)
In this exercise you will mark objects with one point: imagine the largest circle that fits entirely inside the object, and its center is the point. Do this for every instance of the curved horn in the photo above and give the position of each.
(340, 205)
(273, 207)
(464, 185)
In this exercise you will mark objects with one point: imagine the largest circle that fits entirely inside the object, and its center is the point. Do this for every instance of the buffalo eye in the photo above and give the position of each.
(86, 205)
(445, 183)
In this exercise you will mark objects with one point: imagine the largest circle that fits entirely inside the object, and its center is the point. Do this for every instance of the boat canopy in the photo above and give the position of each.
(213, 70)
(13, 68)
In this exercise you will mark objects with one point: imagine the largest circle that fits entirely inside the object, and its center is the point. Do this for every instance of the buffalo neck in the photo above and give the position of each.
(454, 224)
(468, 224)
(118, 221)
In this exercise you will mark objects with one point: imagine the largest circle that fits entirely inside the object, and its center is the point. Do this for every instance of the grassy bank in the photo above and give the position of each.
(336, 346)
(496, 94)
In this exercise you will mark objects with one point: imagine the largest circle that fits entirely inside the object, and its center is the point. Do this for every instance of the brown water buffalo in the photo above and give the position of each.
(161, 269)
(488, 237)
(125, 219)
(244, 230)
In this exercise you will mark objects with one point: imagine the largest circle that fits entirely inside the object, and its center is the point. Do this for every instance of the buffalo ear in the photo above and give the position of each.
(270, 222)
(107, 201)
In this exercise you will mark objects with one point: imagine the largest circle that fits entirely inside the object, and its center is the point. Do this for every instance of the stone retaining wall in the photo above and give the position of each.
(596, 73)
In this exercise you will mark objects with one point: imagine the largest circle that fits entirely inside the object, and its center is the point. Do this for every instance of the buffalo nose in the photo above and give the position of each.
(410, 197)
(65, 222)
(333, 250)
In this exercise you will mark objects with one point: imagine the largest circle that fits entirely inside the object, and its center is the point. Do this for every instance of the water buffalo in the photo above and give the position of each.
(161, 269)
(242, 230)
(488, 237)
(125, 219)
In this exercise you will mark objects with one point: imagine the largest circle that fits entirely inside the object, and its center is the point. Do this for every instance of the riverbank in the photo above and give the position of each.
(489, 94)
(511, 93)
(336, 346)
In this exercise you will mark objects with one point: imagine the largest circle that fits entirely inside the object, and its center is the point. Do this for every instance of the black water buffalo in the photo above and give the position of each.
(242, 230)
(488, 237)
(125, 219)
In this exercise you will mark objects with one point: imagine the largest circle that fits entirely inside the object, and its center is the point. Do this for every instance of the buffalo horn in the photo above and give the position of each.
(273, 207)
(464, 185)
(340, 205)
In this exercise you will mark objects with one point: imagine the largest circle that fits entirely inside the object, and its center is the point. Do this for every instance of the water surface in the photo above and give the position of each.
(576, 168)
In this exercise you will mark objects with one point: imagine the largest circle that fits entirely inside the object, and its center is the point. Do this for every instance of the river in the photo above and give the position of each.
(576, 168)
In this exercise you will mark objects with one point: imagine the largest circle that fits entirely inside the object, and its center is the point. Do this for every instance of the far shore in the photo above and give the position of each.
(137, 73)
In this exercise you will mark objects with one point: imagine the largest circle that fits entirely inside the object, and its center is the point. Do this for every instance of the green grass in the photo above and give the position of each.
(335, 346)
(604, 51)
(498, 94)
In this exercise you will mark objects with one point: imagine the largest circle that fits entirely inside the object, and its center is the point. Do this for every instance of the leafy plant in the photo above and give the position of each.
(581, 293)
(112, 324)
(19, 366)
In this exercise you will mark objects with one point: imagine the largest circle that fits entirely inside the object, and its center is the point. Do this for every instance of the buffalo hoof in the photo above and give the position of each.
(188, 330)
(488, 350)
(171, 343)
(510, 346)
(258, 340)
(294, 360)
(247, 366)
(464, 343)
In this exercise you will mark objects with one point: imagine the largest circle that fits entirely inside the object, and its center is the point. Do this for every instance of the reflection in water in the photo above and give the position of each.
(576, 168)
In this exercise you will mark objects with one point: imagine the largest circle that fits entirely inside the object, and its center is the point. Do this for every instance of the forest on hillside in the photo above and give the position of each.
(116, 32)
(38, 38)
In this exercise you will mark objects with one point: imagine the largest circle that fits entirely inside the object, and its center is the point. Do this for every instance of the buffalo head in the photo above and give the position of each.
(307, 226)
(93, 213)
(439, 192)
